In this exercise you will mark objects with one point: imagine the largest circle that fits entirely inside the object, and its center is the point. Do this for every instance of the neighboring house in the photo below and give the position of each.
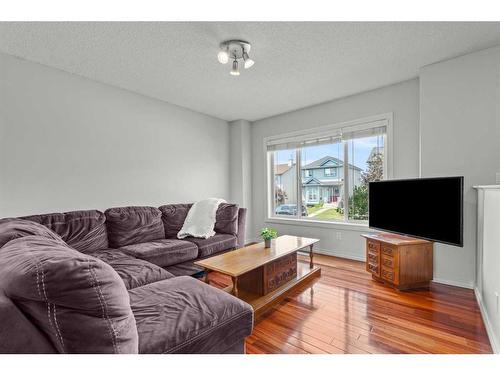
(279, 169)
(322, 180)
(284, 178)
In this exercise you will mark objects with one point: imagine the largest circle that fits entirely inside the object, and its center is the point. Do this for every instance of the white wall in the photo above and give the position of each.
(70, 143)
(401, 99)
(460, 135)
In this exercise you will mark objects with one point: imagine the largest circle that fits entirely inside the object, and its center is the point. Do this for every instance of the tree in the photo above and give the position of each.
(358, 202)
(375, 170)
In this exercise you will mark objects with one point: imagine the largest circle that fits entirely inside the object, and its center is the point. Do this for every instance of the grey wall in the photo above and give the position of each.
(401, 99)
(70, 143)
(460, 135)
(240, 166)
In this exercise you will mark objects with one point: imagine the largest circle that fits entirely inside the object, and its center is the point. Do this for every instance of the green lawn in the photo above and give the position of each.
(313, 209)
(330, 214)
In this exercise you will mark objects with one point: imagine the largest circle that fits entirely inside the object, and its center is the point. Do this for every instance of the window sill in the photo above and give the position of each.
(357, 227)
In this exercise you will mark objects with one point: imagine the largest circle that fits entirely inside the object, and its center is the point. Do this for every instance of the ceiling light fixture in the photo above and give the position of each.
(236, 50)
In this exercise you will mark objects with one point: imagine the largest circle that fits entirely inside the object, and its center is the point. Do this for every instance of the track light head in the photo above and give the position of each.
(248, 61)
(235, 71)
(223, 57)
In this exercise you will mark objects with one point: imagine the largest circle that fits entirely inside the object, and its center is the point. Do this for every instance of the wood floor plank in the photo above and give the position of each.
(345, 311)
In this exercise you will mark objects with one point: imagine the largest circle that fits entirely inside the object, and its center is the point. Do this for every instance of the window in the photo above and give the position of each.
(330, 172)
(285, 188)
(344, 161)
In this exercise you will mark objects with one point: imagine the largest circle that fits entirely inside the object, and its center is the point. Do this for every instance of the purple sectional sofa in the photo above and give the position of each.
(117, 282)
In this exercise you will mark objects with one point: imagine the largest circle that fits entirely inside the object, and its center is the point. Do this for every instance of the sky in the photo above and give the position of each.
(361, 146)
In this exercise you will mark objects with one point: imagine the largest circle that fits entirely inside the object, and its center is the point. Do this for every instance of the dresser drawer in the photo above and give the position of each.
(387, 274)
(372, 257)
(388, 261)
(389, 251)
(373, 268)
(373, 246)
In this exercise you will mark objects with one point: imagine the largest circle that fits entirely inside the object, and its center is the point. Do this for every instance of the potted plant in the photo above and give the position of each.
(267, 235)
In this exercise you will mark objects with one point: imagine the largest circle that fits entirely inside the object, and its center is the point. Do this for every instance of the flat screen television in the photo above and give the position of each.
(429, 208)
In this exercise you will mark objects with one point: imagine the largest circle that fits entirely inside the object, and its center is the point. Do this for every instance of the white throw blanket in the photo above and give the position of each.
(200, 220)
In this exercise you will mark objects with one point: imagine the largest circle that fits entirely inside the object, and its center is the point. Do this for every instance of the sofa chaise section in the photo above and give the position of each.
(184, 315)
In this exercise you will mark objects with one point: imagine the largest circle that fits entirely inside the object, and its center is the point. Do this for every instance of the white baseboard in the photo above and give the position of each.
(252, 240)
(460, 284)
(489, 329)
(336, 254)
(340, 255)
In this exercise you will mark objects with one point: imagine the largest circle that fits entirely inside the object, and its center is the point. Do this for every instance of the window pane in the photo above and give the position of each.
(322, 182)
(285, 183)
(366, 164)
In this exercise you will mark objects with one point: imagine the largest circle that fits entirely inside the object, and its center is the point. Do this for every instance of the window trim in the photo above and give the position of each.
(353, 125)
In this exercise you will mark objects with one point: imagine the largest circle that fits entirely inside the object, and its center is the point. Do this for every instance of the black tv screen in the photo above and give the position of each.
(429, 208)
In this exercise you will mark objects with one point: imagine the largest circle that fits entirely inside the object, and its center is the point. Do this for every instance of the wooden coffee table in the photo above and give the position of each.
(265, 276)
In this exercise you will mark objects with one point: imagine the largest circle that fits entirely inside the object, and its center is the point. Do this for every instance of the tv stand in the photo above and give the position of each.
(401, 262)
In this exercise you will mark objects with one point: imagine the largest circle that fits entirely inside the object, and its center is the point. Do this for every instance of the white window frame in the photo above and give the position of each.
(354, 125)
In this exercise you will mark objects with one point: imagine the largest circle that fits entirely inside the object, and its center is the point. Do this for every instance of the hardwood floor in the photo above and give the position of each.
(344, 311)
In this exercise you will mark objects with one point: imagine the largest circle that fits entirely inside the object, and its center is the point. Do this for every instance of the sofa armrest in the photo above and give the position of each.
(242, 218)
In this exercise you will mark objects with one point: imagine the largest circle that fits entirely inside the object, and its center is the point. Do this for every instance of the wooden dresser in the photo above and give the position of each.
(399, 261)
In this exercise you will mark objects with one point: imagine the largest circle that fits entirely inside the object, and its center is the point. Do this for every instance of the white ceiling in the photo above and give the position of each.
(296, 64)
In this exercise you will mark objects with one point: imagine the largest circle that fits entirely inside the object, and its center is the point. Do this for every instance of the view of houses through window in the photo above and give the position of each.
(328, 192)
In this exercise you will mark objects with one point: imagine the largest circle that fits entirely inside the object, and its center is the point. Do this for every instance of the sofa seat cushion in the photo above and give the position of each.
(134, 272)
(186, 269)
(185, 315)
(131, 225)
(213, 245)
(163, 252)
(78, 302)
(10, 229)
(82, 230)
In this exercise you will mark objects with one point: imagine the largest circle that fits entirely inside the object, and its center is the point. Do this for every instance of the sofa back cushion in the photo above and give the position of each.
(78, 301)
(12, 228)
(82, 230)
(226, 219)
(131, 225)
(174, 215)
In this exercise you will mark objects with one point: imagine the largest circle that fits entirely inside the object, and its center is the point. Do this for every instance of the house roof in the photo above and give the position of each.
(320, 163)
(281, 168)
